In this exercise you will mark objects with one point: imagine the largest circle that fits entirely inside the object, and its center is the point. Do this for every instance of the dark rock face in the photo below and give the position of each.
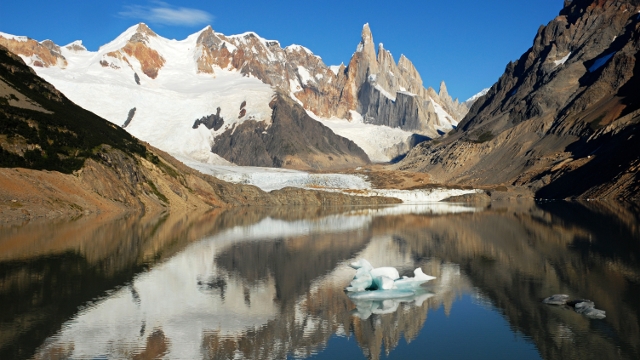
(132, 113)
(563, 119)
(292, 140)
(404, 112)
(213, 121)
(136, 78)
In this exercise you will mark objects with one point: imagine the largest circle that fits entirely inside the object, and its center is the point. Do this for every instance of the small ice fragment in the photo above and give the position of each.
(418, 279)
(592, 313)
(557, 299)
(362, 263)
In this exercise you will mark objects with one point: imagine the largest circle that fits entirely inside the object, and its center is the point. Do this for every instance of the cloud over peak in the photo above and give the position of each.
(166, 14)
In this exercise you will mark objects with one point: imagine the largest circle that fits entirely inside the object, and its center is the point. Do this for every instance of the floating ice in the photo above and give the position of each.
(418, 279)
(385, 301)
(581, 306)
(383, 282)
(384, 277)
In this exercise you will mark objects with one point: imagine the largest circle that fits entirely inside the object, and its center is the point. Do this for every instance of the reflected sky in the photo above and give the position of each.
(269, 283)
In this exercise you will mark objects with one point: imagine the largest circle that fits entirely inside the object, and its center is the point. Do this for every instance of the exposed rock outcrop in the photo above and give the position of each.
(213, 121)
(360, 86)
(563, 119)
(291, 140)
(130, 116)
(44, 54)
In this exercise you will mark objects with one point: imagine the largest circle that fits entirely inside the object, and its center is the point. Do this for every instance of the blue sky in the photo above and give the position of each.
(466, 43)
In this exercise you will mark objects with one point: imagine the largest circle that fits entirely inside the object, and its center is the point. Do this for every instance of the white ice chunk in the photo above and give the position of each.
(414, 282)
(362, 263)
(362, 281)
(383, 277)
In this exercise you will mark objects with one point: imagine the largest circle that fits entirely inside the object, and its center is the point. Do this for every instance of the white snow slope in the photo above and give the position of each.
(167, 107)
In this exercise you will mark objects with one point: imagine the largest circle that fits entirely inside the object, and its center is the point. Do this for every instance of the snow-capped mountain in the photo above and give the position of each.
(164, 90)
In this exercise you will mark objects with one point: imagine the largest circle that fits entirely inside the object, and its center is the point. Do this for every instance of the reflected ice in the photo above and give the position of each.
(274, 288)
(381, 302)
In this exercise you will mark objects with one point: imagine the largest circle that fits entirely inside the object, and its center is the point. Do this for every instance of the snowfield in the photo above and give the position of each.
(167, 107)
(269, 179)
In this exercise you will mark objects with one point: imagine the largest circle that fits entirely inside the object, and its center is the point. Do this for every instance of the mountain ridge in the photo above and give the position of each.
(142, 58)
(58, 160)
(562, 120)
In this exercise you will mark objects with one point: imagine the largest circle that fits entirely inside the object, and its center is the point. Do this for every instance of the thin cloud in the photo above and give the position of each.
(166, 14)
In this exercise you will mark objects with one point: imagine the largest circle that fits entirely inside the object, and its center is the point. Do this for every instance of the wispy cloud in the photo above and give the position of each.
(166, 14)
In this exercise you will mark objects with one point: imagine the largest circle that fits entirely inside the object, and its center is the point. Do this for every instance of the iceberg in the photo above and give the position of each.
(414, 282)
(383, 282)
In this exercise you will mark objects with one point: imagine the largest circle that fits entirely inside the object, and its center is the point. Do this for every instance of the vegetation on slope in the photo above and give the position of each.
(61, 135)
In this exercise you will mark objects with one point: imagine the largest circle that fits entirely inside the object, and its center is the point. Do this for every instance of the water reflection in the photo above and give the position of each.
(268, 283)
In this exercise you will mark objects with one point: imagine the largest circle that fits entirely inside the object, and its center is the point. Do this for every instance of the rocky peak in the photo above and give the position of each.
(443, 90)
(76, 46)
(208, 38)
(368, 50)
(45, 54)
(145, 30)
(51, 46)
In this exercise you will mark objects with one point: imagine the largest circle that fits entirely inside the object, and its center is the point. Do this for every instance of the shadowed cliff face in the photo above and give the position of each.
(292, 140)
(558, 115)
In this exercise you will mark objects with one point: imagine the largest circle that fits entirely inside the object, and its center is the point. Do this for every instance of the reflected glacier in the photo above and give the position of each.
(272, 286)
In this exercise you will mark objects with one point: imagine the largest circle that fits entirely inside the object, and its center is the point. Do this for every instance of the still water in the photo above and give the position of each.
(268, 284)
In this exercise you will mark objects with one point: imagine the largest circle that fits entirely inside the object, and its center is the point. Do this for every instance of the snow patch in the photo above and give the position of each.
(384, 92)
(445, 121)
(336, 68)
(380, 143)
(562, 61)
(294, 86)
(475, 97)
(14, 37)
(305, 76)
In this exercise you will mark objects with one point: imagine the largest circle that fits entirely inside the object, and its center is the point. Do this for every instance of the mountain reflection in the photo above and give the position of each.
(268, 283)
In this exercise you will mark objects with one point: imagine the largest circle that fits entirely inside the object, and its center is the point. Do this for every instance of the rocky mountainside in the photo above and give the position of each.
(95, 166)
(563, 119)
(171, 84)
(292, 140)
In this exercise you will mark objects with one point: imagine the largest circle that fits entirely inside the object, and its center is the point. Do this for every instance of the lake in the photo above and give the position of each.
(261, 283)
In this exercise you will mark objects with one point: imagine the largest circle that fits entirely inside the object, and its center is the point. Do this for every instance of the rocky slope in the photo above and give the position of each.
(171, 84)
(59, 159)
(291, 140)
(563, 119)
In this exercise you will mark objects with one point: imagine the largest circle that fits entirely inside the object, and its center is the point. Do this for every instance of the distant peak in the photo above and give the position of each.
(144, 29)
(366, 33)
(443, 88)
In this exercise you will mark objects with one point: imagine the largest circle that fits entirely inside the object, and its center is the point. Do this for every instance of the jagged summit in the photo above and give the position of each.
(76, 46)
(195, 75)
(443, 89)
